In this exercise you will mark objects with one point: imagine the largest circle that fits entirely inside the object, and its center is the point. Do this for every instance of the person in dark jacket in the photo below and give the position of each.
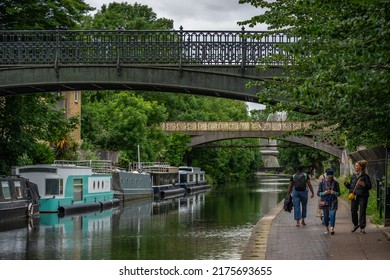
(328, 191)
(360, 184)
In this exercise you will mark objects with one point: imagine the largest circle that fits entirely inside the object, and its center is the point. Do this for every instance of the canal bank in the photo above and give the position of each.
(275, 237)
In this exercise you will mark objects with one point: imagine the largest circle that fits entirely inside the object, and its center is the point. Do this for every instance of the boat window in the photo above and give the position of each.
(61, 186)
(77, 189)
(6, 190)
(102, 184)
(18, 189)
(52, 187)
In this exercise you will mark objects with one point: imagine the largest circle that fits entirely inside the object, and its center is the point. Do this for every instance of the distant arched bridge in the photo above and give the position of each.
(214, 63)
(205, 132)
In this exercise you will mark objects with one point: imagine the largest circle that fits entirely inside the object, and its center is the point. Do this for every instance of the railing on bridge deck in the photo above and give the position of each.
(235, 126)
(180, 47)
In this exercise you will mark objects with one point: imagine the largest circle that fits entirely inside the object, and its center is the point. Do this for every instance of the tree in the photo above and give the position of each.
(128, 17)
(31, 124)
(188, 107)
(120, 121)
(340, 66)
(26, 124)
(37, 14)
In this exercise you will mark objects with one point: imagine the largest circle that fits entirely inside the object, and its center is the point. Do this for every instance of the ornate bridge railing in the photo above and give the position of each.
(180, 47)
(234, 126)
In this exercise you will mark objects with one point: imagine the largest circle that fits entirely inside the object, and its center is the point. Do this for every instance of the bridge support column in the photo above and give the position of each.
(269, 154)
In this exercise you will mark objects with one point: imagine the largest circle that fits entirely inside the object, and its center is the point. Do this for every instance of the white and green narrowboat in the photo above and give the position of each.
(65, 187)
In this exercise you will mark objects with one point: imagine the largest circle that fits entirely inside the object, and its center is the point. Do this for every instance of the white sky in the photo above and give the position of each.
(197, 14)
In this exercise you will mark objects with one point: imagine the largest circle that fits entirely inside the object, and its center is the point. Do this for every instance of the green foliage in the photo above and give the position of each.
(37, 14)
(127, 16)
(225, 164)
(186, 107)
(26, 122)
(292, 155)
(177, 148)
(120, 121)
(31, 125)
(340, 66)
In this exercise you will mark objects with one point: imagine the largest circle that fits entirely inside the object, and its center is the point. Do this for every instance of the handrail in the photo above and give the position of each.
(123, 47)
(98, 166)
(235, 126)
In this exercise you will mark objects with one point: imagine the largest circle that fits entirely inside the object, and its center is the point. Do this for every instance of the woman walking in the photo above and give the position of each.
(299, 183)
(328, 191)
(360, 185)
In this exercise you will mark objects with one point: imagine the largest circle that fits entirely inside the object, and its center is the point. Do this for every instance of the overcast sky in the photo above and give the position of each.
(197, 14)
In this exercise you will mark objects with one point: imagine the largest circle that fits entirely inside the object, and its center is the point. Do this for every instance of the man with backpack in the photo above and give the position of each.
(298, 190)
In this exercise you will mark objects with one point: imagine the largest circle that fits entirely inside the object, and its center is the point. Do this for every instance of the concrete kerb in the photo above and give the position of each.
(257, 244)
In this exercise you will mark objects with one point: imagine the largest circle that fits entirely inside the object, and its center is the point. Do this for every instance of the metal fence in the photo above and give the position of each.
(237, 48)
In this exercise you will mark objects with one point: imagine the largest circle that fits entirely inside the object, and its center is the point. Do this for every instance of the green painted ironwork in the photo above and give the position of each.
(180, 47)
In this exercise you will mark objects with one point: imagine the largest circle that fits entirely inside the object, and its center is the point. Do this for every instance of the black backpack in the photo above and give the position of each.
(299, 181)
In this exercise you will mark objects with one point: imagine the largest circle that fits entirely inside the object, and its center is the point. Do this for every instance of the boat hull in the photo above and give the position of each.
(131, 185)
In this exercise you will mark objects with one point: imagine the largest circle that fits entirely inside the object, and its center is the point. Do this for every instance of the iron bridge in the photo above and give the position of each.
(214, 63)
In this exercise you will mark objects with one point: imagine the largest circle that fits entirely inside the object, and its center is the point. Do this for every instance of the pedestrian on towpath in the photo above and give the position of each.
(360, 185)
(299, 182)
(328, 191)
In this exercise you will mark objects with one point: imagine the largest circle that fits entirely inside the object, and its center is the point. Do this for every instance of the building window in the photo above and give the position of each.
(76, 96)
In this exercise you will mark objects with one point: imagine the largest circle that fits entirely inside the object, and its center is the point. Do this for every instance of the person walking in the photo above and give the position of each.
(328, 191)
(319, 212)
(299, 193)
(360, 185)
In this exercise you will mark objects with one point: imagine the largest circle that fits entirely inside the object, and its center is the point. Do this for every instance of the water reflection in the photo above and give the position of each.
(210, 225)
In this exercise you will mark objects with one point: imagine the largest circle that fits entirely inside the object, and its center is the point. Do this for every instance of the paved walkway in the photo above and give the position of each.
(275, 237)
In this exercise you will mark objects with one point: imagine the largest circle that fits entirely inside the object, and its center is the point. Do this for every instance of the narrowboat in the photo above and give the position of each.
(18, 199)
(71, 186)
(164, 178)
(131, 185)
(192, 179)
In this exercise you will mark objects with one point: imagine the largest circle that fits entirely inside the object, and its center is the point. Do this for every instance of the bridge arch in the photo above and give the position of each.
(227, 82)
(215, 63)
(207, 132)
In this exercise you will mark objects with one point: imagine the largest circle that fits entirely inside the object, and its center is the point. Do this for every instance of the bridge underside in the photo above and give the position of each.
(217, 81)
(207, 137)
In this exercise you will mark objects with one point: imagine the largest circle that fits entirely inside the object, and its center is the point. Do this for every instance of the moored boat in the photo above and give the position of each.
(71, 186)
(131, 185)
(164, 178)
(18, 199)
(192, 179)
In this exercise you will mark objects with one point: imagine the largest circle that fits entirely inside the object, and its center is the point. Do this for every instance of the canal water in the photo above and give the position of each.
(210, 225)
